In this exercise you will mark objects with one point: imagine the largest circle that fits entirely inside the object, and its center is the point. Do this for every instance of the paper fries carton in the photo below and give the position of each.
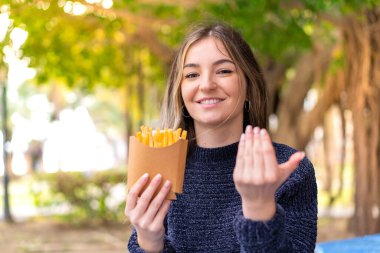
(169, 161)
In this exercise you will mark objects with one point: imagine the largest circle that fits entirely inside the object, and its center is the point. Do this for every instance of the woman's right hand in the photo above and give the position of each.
(147, 213)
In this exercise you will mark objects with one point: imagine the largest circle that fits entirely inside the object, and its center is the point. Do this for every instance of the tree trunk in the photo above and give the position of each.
(274, 73)
(6, 139)
(296, 126)
(359, 81)
(140, 89)
(361, 50)
(342, 157)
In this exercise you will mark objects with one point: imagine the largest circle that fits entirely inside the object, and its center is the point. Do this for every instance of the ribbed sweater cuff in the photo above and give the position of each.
(258, 233)
(168, 248)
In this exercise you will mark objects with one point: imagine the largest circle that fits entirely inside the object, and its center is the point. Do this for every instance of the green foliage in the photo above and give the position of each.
(270, 29)
(281, 30)
(78, 53)
(114, 47)
(85, 51)
(98, 48)
(92, 198)
(342, 7)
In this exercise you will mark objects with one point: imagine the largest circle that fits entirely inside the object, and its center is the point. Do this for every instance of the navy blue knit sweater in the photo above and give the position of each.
(208, 217)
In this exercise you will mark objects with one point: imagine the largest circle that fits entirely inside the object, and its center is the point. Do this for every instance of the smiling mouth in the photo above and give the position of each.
(210, 101)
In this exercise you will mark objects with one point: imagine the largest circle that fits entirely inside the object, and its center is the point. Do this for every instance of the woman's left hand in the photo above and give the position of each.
(257, 175)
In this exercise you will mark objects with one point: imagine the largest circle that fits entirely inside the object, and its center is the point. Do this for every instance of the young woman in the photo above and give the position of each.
(242, 193)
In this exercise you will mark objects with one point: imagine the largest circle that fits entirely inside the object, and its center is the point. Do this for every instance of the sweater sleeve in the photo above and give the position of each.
(134, 247)
(294, 225)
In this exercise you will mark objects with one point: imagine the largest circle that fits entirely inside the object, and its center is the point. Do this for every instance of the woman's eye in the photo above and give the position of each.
(191, 75)
(224, 71)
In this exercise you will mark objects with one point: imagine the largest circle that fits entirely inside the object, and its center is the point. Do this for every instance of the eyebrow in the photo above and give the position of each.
(218, 62)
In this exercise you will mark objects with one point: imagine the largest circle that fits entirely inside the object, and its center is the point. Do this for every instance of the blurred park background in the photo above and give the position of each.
(78, 77)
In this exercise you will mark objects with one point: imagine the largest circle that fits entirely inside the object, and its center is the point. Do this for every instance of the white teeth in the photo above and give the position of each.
(210, 101)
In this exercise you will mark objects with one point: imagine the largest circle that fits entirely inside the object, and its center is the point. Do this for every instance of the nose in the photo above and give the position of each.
(207, 83)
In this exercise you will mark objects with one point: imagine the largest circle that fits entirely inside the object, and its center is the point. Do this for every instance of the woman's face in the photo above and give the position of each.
(213, 87)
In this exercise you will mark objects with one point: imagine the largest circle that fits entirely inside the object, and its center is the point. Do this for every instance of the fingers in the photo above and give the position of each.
(293, 161)
(288, 167)
(158, 201)
(147, 195)
(248, 149)
(256, 159)
(148, 212)
(160, 216)
(257, 173)
(134, 193)
(240, 155)
(157, 209)
(269, 157)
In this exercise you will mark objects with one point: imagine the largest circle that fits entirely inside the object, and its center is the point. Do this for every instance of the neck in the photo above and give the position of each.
(223, 135)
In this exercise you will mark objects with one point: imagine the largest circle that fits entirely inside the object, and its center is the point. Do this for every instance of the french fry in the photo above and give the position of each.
(142, 128)
(139, 137)
(165, 140)
(178, 134)
(184, 134)
(150, 138)
(159, 138)
(170, 137)
(157, 135)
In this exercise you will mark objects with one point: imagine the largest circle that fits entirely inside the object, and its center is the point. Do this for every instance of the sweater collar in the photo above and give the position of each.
(214, 154)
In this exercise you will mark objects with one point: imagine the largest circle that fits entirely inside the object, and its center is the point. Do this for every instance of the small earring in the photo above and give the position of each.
(247, 105)
(185, 113)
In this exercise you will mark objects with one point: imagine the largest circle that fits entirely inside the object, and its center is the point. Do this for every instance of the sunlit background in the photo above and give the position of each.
(71, 142)
(82, 76)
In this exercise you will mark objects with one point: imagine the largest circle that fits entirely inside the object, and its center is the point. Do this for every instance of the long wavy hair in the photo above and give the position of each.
(174, 113)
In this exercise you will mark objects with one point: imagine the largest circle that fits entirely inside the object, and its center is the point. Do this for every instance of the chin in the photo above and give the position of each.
(211, 122)
(218, 120)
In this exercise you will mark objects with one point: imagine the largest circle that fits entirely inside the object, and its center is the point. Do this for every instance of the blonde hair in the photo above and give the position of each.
(173, 111)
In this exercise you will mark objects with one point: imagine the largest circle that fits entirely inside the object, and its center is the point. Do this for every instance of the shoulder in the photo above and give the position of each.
(283, 153)
(303, 174)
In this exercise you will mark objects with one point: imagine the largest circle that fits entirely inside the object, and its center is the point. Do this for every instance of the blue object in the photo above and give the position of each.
(367, 244)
